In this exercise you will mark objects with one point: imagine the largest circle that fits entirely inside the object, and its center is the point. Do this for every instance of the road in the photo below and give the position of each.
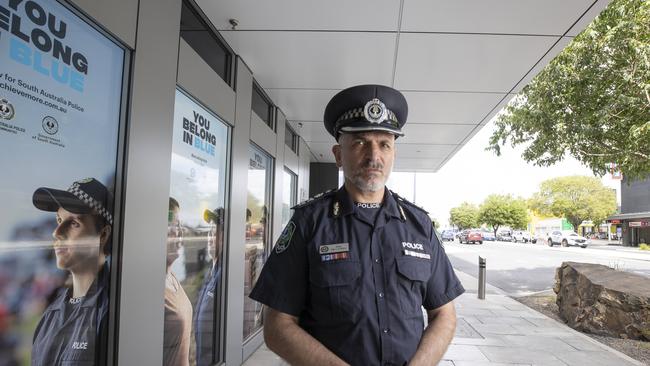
(523, 269)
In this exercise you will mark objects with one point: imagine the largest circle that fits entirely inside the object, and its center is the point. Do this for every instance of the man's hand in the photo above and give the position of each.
(437, 336)
(288, 340)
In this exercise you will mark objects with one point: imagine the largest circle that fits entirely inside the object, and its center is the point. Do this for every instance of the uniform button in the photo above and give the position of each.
(376, 260)
(381, 294)
(386, 330)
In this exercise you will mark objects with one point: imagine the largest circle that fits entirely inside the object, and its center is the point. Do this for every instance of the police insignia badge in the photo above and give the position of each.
(285, 238)
(375, 111)
(337, 209)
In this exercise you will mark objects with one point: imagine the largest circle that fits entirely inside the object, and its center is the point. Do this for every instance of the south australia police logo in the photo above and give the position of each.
(6, 109)
(375, 111)
(285, 238)
(50, 125)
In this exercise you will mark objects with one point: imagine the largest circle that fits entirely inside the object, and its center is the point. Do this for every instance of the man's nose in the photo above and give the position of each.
(373, 151)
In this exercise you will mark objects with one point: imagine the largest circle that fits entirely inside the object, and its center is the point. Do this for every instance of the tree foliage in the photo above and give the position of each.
(592, 101)
(503, 210)
(464, 216)
(576, 198)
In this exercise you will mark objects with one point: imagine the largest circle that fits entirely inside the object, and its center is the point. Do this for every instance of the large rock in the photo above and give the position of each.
(597, 299)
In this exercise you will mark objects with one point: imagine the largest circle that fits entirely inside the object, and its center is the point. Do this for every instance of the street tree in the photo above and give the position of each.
(464, 216)
(592, 101)
(503, 210)
(576, 198)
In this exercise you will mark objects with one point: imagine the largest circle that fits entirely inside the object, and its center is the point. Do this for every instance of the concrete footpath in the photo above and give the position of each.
(500, 331)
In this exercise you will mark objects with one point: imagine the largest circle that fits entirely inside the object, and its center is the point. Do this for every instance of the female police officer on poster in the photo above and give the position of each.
(348, 276)
(72, 330)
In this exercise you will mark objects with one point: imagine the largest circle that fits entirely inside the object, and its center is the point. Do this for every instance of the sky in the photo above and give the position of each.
(473, 174)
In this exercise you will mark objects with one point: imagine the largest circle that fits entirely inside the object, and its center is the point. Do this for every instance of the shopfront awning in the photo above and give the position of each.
(629, 216)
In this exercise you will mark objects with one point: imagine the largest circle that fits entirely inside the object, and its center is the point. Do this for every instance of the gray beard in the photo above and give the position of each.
(365, 186)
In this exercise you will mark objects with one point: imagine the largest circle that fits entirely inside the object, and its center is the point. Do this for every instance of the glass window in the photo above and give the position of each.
(258, 220)
(195, 236)
(204, 40)
(291, 139)
(289, 193)
(262, 106)
(60, 115)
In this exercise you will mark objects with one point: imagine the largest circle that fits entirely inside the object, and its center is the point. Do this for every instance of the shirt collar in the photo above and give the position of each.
(344, 205)
(391, 207)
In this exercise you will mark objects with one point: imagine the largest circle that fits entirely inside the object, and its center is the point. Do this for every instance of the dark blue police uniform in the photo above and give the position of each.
(204, 318)
(358, 286)
(74, 333)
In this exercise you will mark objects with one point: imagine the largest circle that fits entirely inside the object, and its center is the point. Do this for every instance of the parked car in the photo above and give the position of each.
(488, 236)
(504, 236)
(520, 236)
(567, 238)
(471, 236)
(448, 235)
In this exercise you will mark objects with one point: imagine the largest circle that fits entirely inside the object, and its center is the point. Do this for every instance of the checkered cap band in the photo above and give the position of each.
(76, 190)
(357, 113)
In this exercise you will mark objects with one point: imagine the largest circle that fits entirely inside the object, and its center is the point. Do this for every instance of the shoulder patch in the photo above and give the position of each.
(405, 202)
(316, 198)
(285, 238)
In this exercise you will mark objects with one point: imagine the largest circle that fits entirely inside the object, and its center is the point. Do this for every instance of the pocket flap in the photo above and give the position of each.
(415, 269)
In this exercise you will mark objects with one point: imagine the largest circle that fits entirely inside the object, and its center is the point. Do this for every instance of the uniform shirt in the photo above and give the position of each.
(358, 286)
(74, 333)
(204, 318)
(178, 324)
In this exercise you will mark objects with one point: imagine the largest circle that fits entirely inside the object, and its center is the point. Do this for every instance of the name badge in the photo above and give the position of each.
(334, 248)
(417, 255)
(332, 252)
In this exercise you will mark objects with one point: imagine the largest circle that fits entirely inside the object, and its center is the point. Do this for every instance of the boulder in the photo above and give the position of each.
(596, 299)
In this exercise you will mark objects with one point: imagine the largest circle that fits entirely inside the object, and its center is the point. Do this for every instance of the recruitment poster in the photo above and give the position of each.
(195, 237)
(60, 98)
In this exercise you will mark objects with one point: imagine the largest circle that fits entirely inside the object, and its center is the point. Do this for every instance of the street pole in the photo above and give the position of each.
(481, 278)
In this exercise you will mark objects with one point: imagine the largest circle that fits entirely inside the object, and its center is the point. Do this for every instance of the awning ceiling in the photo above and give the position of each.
(458, 62)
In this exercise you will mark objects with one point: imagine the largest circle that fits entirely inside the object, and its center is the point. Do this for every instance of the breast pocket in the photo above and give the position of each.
(413, 273)
(335, 291)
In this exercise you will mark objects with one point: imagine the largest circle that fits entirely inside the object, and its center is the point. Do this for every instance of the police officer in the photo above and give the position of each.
(349, 274)
(205, 304)
(72, 330)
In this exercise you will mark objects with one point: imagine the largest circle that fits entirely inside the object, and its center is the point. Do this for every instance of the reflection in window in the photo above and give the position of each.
(289, 193)
(195, 236)
(257, 233)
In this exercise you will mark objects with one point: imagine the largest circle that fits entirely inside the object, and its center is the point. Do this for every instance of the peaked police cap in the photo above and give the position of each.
(364, 108)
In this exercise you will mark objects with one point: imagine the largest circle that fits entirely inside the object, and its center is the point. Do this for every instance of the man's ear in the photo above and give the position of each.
(336, 150)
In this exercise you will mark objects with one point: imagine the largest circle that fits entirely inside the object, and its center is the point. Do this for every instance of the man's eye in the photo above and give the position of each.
(74, 224)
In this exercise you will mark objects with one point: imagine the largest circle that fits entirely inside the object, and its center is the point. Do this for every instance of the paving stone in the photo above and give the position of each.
(494, 340)
(487, 329)
(581, 344)
(516, 355)
(464, 352)
(510, 320)
(465, 330)
(473, 312)
(480, 363)
(592, 358)
(537, 342)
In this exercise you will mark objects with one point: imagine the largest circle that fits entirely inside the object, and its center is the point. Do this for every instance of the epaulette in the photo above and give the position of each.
(402, 200)
(316, 198)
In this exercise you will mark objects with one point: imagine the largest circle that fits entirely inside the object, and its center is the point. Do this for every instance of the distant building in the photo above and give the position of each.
(634, 219)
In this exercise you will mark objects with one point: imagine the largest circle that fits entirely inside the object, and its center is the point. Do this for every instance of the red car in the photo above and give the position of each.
(471, 236)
